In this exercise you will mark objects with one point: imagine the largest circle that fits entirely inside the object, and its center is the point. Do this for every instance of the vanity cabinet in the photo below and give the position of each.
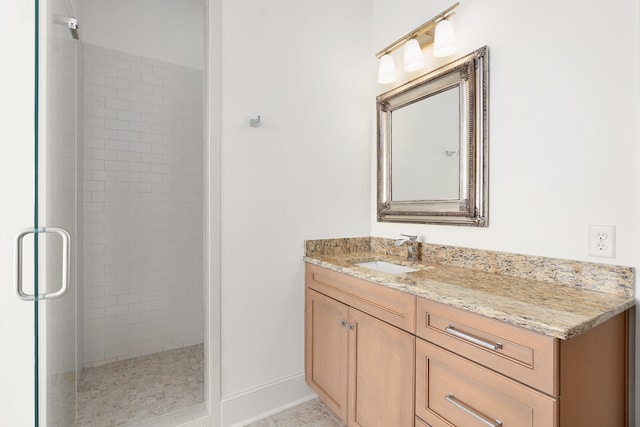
(471, 370)
(378, 356)
(360, 365)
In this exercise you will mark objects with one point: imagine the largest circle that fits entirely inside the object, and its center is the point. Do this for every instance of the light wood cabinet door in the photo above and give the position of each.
(453, 391)
(360, 366)
(326, 350)
(381, 373)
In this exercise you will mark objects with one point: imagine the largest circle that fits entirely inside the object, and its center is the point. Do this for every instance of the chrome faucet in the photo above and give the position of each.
(412, 246)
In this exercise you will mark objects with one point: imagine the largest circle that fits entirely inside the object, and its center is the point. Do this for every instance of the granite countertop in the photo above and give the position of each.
(537, 302)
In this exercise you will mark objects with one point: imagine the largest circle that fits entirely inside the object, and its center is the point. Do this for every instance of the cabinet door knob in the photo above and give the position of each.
(346, 324)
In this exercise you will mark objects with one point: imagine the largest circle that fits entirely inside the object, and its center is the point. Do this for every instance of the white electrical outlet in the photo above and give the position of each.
(602, 241)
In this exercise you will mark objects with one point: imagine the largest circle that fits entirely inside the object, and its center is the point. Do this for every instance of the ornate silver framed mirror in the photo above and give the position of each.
(433, 146)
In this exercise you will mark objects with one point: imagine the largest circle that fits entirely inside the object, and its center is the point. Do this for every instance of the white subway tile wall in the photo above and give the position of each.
(59, 195)
(142, 206)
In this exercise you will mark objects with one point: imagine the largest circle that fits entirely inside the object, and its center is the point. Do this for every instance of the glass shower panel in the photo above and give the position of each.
(56, 195)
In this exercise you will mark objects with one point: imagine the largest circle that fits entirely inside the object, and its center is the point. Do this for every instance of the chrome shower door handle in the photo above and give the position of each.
(66, 263)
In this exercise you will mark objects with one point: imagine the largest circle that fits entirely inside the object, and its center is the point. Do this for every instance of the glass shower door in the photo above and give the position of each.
(48, 247)
(57, 204)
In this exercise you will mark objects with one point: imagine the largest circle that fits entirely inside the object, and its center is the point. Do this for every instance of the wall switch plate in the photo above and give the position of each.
(602, 241)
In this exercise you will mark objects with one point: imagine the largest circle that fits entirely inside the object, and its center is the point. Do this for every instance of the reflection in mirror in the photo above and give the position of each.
(433, 146)
(427, 151)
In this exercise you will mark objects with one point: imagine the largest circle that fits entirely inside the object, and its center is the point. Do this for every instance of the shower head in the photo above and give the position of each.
(70, 23)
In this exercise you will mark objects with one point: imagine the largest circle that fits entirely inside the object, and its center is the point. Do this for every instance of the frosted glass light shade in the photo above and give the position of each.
(413, 59)
(444, 40)
(386, 70)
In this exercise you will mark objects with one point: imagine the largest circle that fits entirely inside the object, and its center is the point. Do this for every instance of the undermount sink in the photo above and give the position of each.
(386, 267)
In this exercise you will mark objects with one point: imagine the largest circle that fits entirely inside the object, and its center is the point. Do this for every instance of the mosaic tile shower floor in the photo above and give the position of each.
(131, 391)
(309, 414)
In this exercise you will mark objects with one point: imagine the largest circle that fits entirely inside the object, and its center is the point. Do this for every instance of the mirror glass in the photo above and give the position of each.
(433, 146)
(427, 151)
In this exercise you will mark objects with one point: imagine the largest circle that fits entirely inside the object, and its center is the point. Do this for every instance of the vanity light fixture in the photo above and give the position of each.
(413, 59)
(387, 70)
(445, 39)
(415, 41)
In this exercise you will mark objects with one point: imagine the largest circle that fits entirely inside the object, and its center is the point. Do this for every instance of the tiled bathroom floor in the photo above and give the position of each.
(131, 391)
(309, 414)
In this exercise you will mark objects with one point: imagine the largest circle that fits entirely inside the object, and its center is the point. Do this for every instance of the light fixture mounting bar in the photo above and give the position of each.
(422, 30)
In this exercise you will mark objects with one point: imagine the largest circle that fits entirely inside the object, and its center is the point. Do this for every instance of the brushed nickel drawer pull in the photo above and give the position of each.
(491, 346)
(451, 399)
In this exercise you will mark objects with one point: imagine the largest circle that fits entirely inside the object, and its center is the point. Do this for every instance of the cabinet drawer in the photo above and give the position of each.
(453, 391)
(523, 355)
(392, 306)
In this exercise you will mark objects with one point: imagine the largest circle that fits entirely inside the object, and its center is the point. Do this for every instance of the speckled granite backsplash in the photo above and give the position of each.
(606, 278)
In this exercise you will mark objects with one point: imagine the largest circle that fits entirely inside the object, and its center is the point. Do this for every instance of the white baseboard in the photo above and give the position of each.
(247, 406)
